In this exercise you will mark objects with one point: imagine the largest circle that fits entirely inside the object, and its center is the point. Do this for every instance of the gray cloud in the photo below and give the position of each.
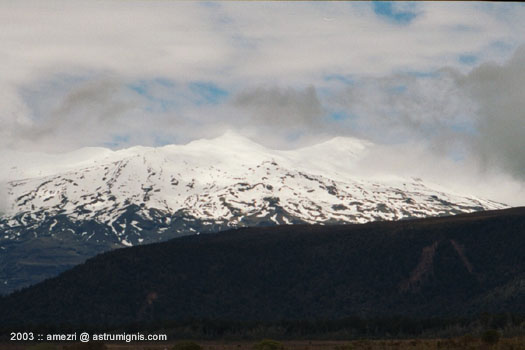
(231, 44)
(98, 98)
(281, 107)
(499, 93)
(404, 107)
(84, 114)
(279, 117)
(478, 115)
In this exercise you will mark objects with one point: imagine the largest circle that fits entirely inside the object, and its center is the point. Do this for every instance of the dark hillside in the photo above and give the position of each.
(449, 266)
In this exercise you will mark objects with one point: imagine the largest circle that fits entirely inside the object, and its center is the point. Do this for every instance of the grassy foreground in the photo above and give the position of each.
(466, 342)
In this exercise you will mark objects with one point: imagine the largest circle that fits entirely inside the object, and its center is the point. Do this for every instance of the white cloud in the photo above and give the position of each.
(262, 41)
(67, 68)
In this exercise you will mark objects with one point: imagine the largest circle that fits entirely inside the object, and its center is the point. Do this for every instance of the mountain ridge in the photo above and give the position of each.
(105, 199)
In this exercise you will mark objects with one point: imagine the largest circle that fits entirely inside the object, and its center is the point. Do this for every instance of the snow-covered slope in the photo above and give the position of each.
(211, 184)
(64, 208)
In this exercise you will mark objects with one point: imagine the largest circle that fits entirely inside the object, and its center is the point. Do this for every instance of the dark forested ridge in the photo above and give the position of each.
(438, 267)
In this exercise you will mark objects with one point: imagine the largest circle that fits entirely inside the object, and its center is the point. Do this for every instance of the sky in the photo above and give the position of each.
(436, 86)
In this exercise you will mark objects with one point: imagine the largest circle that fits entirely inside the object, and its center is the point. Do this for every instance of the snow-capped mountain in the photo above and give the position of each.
(105, 199)
(229, 181)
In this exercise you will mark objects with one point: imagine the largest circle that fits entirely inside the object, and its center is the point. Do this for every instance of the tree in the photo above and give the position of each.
(187, 345)
(490, 336)
(268, 344)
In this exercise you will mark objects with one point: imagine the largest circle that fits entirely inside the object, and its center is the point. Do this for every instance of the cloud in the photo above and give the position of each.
(404, 107)
(274, 42)
(14, 115)
(413, 159)
(80, 74)
(480, 112)
(279, 117)
(79, 115)
(281, 107)
(498, 90)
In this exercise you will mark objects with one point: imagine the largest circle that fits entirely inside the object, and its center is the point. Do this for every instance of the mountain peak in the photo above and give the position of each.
(229, 139)
(100, 199)
(351, 146)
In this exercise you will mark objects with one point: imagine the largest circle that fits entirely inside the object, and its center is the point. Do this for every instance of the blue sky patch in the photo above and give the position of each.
(163, 140)
(501, 45)
(117, 141)
(341, 115)
(346, 79)
(398, 89)
(468, 59)
(387, 10)
(164, 94)
(161, 94)
(422, 74)
(465, 128)
(140, 88)
(208, 93)
(210, 4)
